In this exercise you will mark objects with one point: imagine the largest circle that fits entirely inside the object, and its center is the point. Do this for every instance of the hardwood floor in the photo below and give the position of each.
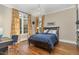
(60, 49)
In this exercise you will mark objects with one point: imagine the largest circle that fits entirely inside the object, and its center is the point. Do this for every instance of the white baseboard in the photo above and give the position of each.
(67, 41)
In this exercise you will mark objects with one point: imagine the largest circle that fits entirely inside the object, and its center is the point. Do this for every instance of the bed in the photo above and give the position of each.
(45, 40)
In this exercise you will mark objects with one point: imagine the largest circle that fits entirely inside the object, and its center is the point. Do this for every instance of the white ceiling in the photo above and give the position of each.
(37, 9)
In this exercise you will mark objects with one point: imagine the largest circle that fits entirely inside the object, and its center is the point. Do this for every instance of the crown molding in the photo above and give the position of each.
(52, 12)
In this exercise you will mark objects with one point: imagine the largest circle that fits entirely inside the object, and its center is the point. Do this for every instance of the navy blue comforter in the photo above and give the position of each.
(45, 37)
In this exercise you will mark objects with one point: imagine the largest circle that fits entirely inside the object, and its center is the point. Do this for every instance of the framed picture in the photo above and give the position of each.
(51, 23)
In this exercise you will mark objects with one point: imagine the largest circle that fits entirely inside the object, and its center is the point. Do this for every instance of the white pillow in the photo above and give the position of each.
(45, 31)
(52, 31)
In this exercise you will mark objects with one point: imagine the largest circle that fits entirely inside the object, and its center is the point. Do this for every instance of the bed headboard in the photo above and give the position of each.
(53, 28)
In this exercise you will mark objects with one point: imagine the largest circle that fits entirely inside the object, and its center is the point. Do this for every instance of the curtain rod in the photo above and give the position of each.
(21, 11)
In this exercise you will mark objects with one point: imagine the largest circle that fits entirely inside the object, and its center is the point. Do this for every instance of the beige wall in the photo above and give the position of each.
(5, 19)
(66, 21)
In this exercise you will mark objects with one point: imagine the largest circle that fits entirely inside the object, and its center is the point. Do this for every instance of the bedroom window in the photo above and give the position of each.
(40, 24)
(23, 23)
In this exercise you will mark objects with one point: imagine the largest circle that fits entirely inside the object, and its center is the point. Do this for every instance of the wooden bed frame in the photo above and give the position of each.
(45, 45)
(54, 28)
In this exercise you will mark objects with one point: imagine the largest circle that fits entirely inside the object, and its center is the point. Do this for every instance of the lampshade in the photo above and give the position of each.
(37, 27)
